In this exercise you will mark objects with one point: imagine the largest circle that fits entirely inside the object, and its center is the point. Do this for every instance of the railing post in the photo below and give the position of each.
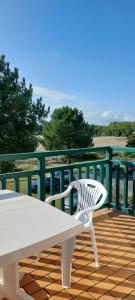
(62, 189)
(134, 190)
(109, 174)
(52, 186)
(71, 208)
(16, 184)
(125, 200)
(41, 177)
(118, 187)
(28, 185)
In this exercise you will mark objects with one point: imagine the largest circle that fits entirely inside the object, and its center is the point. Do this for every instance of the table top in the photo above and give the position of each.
(28, 226)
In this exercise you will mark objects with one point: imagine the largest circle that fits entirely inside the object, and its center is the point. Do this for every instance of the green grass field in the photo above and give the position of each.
(23, 190)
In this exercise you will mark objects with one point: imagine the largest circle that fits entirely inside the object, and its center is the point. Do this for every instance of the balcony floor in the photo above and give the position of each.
(115, 279)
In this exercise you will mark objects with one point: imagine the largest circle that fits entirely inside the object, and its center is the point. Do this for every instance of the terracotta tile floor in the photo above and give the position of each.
(115, 279)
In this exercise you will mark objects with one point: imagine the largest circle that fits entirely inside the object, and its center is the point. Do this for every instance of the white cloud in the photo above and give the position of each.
(106, 117)
(106, 114)
(56, 99)
(92, 113)
(110, 116)
(129, 117)
(45, 92)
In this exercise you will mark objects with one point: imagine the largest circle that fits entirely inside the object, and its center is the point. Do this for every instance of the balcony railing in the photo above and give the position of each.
(118, 175)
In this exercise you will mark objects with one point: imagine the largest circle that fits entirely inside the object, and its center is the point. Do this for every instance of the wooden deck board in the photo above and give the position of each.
(115, 278)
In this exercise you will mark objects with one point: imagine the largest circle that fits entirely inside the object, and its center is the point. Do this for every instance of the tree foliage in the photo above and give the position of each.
(115, 129)
(20, 117)
(131, 141)
(67, 129)
(97, 130)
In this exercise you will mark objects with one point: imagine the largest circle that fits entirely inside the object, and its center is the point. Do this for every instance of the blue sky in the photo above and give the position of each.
(75, 52)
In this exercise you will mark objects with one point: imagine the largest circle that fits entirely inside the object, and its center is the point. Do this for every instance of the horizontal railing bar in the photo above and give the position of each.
(123, 162)
(59, 168)
(77, 165)
(19, 174)
(18, 156)
(75, 151)
(30, 155)
(124, 149)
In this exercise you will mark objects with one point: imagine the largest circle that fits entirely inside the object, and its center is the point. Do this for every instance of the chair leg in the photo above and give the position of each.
(38, 257)
(92, 233)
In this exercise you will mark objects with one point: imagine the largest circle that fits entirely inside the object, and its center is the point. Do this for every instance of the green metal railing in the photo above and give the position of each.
(124, 182)
(119, 184)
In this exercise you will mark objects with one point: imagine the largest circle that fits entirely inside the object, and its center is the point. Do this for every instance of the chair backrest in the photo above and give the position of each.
(91, 193)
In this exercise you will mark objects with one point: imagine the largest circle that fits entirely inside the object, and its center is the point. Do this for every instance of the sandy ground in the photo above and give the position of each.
(40, 148)
(102, 141)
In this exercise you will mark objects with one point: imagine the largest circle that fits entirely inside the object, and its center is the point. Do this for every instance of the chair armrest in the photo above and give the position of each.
(59, 196)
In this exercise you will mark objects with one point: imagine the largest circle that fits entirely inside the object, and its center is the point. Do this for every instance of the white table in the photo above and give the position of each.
(28, 226)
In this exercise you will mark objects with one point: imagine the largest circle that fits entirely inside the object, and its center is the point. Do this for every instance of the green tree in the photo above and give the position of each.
(97, 130)
(67, 129)
(20, 116)
(118, 129)
(131, 141)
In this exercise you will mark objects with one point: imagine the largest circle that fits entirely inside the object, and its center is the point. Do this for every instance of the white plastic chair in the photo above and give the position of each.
(91, 196)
